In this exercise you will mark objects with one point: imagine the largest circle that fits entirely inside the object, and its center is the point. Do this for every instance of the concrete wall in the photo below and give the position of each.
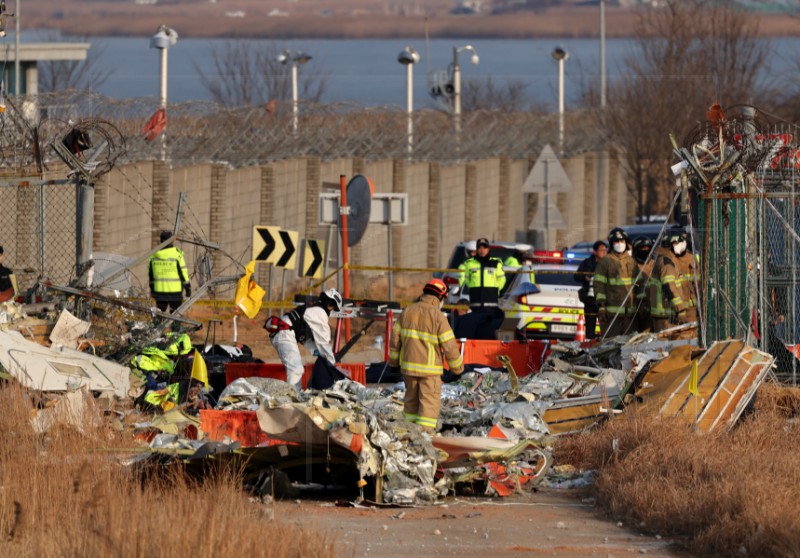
(447, 204)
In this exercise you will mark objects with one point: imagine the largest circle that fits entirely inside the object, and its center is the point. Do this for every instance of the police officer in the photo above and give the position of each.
(613, 285)
(483, 275)
(169, 277)
(306, 325)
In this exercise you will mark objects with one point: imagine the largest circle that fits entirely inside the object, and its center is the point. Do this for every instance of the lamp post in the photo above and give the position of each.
(16, 52)
(560, 55)
(294, 58)
(457, 84)
(408, 57)
(164, 38)
(602, 54)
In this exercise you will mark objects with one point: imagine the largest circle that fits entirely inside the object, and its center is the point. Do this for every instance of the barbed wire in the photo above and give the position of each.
(203, 131)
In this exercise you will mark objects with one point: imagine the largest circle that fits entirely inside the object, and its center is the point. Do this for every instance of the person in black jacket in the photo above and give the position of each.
(585, 276)
(8, 282)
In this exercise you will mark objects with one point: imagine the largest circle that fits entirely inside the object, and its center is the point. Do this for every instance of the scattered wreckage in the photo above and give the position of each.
(498, 419)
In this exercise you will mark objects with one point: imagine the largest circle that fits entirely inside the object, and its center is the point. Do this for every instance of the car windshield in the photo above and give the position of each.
(553, 276)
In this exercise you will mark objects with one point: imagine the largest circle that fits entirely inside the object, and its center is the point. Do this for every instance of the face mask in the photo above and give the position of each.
(679, 248)
(620, 247)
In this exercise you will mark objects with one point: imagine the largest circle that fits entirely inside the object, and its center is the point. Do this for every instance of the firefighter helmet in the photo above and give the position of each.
(642, 246)
(617, 234)
(436, 287)
(677, 234)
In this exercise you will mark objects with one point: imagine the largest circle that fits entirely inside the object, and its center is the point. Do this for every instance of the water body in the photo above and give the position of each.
(367, 72)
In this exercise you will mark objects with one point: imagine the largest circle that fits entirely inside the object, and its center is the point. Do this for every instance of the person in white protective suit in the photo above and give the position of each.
(306, 325)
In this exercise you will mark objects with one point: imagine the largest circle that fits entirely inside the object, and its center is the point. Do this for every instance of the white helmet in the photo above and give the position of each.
(470, 247)
(332, 296)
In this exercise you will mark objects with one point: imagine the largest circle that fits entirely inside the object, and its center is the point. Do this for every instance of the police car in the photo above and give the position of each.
(542, 300)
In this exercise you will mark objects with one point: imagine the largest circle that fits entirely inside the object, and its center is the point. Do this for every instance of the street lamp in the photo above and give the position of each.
(561, 56)
(294, 58)
(457, 83)
(602, 54)
(164, 38)
(408, 57)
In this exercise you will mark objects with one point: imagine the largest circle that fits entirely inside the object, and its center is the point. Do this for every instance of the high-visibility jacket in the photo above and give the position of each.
(678, 275)
(484, 277)
(153, 359)
(652, 287)
(166, 398)
(180, 344)
(420, 337)
(168, 273)
(613, 279)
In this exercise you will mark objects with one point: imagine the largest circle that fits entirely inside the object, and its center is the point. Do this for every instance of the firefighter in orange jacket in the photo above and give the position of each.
(420, 337)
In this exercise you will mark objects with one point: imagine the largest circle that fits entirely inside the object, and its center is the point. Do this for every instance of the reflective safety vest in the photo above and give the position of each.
(613, 280)
(168, 271)
(180, 344)
(153, 359)
(166, 398)
(485, 279)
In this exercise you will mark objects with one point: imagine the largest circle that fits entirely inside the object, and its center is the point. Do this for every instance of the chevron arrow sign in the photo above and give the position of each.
(313, 258)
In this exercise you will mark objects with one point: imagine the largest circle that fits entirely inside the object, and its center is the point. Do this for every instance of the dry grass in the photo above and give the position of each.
(734, 493)
(61, 497)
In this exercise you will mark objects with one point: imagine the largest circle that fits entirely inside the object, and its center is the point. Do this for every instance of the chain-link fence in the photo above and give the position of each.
(746, 171)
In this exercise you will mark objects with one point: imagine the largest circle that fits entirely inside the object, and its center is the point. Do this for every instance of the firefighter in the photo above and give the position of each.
(679, 275)
(659, 313)
(169, 278)
(420, 338)
(613, 285)
(308, 326)
(585, 276)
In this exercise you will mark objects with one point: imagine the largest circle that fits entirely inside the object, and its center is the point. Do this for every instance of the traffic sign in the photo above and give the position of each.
(275, 246)
(547, 175)
(313, 258)
(264, 243)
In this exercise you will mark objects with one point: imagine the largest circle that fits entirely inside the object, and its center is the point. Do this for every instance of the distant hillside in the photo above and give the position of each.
(340, 19)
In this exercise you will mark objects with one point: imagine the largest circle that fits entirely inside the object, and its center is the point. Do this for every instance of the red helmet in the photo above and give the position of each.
(436, 287)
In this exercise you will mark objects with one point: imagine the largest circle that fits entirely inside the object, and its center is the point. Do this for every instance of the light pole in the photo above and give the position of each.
(16, 52)
(560, 55)
(408, 58)
(602, 54)
(457, 84)
(164, 38)
(295, 58)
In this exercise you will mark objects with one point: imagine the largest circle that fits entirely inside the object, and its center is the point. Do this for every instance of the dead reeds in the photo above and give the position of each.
(64, 493)
(722, 494)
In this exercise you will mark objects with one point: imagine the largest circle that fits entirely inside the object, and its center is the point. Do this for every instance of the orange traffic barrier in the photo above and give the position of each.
(580, 330)
(526, 356)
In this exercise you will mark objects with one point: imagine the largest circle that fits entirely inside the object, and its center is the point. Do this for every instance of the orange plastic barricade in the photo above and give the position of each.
(526, 356)
(241, 426)
(236, 370)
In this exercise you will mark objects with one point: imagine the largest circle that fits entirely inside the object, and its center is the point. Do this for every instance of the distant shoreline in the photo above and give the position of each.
(207, 20)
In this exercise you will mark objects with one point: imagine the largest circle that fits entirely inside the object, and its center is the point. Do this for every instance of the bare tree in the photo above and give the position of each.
(248, 73)
(61, 75)
(485, 94)
(688, 55)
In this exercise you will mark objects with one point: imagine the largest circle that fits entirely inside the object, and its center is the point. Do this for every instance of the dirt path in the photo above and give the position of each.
(549, 522)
